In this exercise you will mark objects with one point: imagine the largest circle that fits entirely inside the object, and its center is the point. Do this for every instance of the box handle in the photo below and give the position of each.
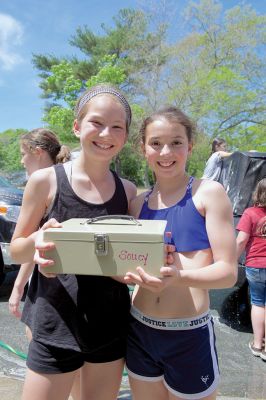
(128, 218)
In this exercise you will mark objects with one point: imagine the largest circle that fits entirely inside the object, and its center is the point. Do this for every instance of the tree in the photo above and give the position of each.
(218, 73)
(215, 72)
(129, 35)
(10, 150)
(60, 116)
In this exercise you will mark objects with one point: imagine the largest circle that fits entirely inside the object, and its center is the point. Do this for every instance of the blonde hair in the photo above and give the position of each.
(48, 141)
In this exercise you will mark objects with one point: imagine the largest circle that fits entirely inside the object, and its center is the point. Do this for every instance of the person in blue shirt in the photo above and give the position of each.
(171, 351)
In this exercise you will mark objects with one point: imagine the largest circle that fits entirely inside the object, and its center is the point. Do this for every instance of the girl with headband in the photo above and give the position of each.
(77, 320)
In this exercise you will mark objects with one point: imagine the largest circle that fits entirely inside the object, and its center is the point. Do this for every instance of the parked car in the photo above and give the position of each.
(10, 203)
(240, 174)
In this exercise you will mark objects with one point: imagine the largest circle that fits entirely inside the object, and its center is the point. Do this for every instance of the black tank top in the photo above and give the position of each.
(77, 311)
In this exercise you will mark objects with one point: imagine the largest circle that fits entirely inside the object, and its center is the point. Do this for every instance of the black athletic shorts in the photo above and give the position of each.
(46, 359)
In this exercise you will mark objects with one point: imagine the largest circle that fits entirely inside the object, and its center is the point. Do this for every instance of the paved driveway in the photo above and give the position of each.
(243, 375)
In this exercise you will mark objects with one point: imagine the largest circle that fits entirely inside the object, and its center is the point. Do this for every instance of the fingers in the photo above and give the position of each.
(144, 280)
(40, 244)
(46, 274)
(169, 270)
(170, 248)
(14, 309)
(40, 260)
(51, 223)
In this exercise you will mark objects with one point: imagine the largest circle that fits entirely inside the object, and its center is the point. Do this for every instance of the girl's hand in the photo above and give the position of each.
(41, 247)
(155, 284)
(14, 300)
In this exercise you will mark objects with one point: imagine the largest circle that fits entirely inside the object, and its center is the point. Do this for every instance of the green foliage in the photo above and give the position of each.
(218, 72)
(10, 150)
(110, 70)
(61, 117)
(131, 165)
(215, 72)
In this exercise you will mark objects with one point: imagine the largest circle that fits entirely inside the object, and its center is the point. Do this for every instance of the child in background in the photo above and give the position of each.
(77, 320)
(171, 350)
(252, 238)
(214, 164)
(39, 148)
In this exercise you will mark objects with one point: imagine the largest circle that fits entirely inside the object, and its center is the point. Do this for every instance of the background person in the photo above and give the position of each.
(213, 166)
(171, 343)
(252, 239)
(39, 148)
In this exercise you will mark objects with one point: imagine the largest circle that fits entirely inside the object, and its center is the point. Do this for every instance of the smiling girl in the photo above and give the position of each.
(77, 320)
(171, 344)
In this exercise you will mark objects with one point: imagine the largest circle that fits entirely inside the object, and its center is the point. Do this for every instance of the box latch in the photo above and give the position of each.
(101, 244)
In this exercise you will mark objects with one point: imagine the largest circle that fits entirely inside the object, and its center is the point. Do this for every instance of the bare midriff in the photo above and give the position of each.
(178, 301)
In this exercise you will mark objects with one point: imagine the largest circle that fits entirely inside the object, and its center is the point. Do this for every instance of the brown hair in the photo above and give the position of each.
(217, 142)
(173, 115)
(259, 195)
(48, 141)
(102, 89)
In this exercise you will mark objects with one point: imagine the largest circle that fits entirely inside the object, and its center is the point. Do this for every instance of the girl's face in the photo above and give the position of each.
(221, 147)
(30, 159)
(166, 147)
(102, 131)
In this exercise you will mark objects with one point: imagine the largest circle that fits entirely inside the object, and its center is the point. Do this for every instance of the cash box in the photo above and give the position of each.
(107, 245)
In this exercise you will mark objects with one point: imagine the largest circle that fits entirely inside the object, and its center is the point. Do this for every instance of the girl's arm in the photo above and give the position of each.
(224, 154)
(35, 201)
(241, 242)
(22, 278)
(220, 229)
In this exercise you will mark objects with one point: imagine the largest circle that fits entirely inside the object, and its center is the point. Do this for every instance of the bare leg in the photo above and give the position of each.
(28, 333)
(258, 325)
(156, 391)
(148, 390)
(47, 386)
(210, 397)
(101, 381)
(75, 391)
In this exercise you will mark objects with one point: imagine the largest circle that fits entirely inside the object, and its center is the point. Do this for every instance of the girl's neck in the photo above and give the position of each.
(171, 185)
(95, 171)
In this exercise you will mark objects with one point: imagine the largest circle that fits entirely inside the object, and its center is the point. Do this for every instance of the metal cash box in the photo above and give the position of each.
(107, 245)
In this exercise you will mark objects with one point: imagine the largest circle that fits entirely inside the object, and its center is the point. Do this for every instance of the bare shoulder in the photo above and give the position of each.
(130, 189)
(41, 182)
(209, 194)
(207, 186)
(136, 204)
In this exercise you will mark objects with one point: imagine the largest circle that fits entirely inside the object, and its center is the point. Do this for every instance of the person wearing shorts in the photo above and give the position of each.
(171, 351)
(182, 343)
(252, 239)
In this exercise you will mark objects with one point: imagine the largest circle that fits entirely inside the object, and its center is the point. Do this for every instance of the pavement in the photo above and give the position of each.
(243, 376)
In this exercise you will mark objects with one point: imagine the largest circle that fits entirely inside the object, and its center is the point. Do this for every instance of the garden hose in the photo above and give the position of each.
(17, 352)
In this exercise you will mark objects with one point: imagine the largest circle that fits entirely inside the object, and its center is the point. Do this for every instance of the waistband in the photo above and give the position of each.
(171, 323)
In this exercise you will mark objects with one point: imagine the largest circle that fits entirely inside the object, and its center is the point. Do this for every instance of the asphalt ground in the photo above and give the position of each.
(243, 376)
